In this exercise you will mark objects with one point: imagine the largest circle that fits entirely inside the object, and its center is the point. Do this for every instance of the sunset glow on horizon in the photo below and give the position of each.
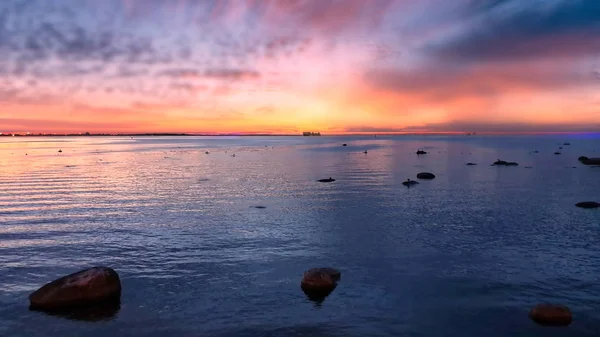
(287, 66)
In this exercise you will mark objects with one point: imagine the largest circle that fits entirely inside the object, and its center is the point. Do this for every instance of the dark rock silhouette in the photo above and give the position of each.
(500, 162)
(471, 164)
(206, 152)
(425, 175)
(318, 283)
(259, 207)
(588, 204)
(567, 144)
(344, 144)
(591, 161)
(536, 151)
(409, 183)
(84, 288)
(365, 152)
(511, 163)
(59, 151)
(557, 152)
(421, 152)
(583, 158)
(560, 148)
(551, 314)
(326, 180)
(528, 167)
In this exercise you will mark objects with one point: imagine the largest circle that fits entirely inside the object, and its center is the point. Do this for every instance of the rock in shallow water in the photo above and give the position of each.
(591, 161)
(84, 288)
(588, 204)
(425, 175)
(551, 314)
(409, 183)
(318, 283)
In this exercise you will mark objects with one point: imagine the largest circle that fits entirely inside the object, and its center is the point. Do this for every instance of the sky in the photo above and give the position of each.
(287, 66)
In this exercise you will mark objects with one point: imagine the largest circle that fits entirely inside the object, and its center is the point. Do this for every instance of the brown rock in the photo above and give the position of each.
(551, 314)
(89, 286)
(319, 282)
(333, 273)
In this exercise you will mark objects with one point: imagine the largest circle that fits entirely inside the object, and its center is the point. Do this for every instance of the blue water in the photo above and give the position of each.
(466, 254)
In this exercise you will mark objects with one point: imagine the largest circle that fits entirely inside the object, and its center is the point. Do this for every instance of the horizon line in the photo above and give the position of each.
(208, 134)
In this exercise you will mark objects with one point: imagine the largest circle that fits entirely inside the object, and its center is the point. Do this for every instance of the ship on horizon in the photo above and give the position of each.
(308, 133)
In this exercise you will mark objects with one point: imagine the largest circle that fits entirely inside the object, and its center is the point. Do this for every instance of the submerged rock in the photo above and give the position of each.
(567, 144)
(84, 288)
(409, 183)
(551, 314)
(425, 175)
(588, 204)
(318, 283)
(326, 180)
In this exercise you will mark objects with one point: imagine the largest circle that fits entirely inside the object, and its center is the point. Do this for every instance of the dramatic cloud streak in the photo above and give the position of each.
(286, 66)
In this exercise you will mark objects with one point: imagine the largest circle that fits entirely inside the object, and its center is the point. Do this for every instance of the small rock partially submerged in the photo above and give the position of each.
(591, 161)
(471, 164)
(588, 204)
(83, 288)
(326, 180)
(551, 314)
(583, 158)
(557, 152)
(425, 175)
(567, 144)
(344, 144)
(504, 163)
(259, 207)
(421, 152)
(318, 283)
(409, 183)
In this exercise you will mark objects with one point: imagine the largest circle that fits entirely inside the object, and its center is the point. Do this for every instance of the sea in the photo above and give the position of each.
(468, 253)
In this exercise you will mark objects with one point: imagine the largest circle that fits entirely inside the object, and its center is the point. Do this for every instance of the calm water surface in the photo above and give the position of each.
(466, 254)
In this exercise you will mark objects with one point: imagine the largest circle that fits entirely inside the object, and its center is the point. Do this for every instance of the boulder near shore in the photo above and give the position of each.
(83, 288)
(551, 314)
